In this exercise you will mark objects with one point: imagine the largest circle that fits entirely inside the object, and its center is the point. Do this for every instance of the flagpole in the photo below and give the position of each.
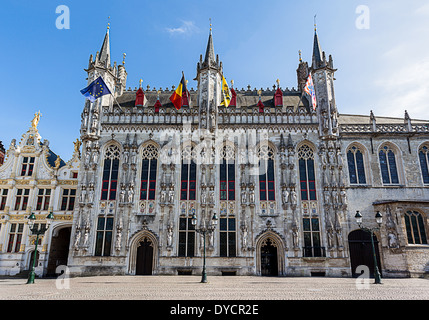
(117, 102)
(300, 99)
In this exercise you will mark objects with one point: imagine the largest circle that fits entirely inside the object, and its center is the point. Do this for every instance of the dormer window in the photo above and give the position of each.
(27, 166)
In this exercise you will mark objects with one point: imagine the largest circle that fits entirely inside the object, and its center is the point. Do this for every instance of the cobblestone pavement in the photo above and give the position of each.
(218, 288)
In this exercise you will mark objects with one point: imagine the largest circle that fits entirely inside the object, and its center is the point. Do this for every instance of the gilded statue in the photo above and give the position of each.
(36, 120)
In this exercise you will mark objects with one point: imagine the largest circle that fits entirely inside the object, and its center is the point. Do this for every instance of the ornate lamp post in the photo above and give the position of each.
(204, 231)
(379, 220)
(35, 230)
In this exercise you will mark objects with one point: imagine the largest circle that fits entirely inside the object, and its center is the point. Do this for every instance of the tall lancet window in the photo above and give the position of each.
(306, 173)
(424, 163)
(188, 175)
(149, 170)
(266, 174)
(227, 174)
(110, 173)
(356, 165)
(389, 170)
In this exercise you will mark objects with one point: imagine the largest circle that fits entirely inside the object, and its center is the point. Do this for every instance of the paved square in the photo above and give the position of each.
(218, 288)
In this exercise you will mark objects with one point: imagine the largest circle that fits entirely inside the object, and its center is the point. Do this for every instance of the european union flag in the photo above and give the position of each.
(96, 89)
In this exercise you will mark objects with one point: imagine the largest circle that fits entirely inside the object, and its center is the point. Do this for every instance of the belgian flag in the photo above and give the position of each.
(180, 96)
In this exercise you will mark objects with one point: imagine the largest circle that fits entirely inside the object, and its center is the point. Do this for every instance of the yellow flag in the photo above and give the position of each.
(226, 93)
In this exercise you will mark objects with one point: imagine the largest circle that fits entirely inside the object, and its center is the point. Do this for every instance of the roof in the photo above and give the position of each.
(361, 119)
(245, 98)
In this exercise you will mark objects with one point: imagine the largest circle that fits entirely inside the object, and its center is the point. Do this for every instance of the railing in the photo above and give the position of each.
(385, 128)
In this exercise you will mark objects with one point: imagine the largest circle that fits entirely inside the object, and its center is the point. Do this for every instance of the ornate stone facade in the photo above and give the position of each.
(284, 180)
(35, 179)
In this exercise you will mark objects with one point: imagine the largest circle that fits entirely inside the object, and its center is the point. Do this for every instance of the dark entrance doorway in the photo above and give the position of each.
(144, 257)
(269, 263)
(59, 251)
(361, 252)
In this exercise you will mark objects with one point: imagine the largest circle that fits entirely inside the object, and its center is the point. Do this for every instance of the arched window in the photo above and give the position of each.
(415, 227)
(356, 165)
(227, 173)
(307, 177)
(388, 166)
(188, 174)
(424, 163)
(149, 171)
(110, 173)
(266, 176)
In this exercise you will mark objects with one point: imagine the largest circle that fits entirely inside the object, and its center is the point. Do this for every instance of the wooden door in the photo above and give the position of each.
(361, 251)
(269, 262)
(144, 258)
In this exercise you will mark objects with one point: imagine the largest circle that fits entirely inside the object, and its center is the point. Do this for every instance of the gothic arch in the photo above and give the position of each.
(308, 143)
(353, 146)
(147, 143)
(423, 159)
(134, 243)
(109, 143)
(386, 146)
(270, 145)
(278, 242)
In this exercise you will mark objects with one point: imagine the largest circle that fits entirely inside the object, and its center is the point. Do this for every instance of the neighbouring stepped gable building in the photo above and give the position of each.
(284, 181)
(34, 179)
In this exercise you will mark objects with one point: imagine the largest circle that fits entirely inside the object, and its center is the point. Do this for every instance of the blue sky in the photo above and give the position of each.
(384, 68)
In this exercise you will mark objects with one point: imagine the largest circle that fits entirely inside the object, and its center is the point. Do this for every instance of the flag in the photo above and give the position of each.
(96, 89)
(226, 93)
(309, 89)
(180, 95)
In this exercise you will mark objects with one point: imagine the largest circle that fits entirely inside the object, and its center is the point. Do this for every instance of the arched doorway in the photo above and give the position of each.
(361, 251)
(270, 254)
(144, 260)
(269, 262)
(59, 251)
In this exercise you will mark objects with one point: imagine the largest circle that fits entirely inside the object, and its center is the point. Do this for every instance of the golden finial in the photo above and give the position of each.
(108, 23)
(259, 93)
(315, 25)
(300, 59)
(210, 25)
(278, 83)
(232, 83)
(140, 82)
(123, 58)
(36, 120)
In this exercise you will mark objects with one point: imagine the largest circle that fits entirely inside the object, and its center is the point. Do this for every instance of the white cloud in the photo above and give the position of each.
(405, 88)
(187, 28)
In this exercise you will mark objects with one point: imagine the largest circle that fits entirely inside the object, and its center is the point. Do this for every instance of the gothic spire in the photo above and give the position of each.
(317, 51)
(104, 55)
(210, 55)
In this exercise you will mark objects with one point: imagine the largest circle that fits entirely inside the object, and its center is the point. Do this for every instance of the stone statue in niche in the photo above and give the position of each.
(243, 196)
(131, 194)
(171, 195)
(77, 238)
(122, 194)
(244, 232)
(293, 196)
(169, 235)
(285, 196)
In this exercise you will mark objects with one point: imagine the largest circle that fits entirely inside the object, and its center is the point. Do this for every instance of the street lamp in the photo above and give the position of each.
(35, 230)
(204, 230)
(379, 220)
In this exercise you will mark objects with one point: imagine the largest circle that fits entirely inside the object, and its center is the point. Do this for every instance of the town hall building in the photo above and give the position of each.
(267, 186)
